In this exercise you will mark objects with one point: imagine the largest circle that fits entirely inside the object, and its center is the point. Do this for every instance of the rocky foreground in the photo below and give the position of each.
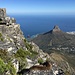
(18, 55)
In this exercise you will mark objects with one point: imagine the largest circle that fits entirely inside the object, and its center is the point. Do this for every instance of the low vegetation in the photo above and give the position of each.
(1, 38)
(0, 34)
(28, 46)
(40, 61)
(3, 67)
(21, 56)
(5, 56)
(6, 64)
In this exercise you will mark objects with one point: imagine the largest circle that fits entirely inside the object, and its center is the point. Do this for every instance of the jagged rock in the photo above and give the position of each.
(12, 36)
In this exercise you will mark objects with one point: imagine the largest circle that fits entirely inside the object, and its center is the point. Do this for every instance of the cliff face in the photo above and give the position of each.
(11, 37)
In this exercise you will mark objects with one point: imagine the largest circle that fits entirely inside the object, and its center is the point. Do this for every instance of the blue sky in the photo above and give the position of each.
(39, 6)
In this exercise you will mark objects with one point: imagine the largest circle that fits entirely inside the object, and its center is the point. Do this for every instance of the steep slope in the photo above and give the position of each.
(62, 63)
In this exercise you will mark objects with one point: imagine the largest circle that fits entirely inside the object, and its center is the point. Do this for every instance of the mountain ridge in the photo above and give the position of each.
(55, 38)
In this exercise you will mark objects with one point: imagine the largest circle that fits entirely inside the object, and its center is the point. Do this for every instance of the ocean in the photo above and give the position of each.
(36, 24)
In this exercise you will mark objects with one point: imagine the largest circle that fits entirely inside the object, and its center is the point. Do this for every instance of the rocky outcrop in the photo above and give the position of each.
(12, 37)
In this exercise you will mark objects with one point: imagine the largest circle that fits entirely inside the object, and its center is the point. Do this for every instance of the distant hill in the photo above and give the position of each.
(55, 39)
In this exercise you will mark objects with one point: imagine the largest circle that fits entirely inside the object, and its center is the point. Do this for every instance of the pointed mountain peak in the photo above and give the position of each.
(56, 29)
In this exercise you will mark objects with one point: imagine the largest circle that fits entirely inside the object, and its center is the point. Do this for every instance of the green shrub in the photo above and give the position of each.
(6, 67)
(11, 68)
(0, 34)
(3, 67)
(5, 56)
(33, 54)
(40, 61)
(25, 40)
(28, 46)
(21, 56)
(1, 39)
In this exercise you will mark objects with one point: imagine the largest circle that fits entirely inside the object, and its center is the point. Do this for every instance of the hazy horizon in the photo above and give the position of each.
(41, 7)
